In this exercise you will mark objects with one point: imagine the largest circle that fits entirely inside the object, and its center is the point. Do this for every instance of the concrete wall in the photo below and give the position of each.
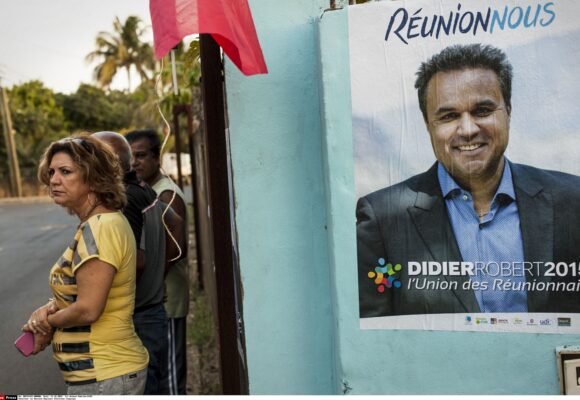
(291, 147)
(276, 150)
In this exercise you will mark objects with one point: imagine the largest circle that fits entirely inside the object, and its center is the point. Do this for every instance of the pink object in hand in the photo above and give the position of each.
(25, 343)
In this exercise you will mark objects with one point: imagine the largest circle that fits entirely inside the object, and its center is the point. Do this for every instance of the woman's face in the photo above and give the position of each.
(67, 183)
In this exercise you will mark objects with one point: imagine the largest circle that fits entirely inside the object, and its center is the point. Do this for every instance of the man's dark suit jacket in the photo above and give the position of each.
(409, 222)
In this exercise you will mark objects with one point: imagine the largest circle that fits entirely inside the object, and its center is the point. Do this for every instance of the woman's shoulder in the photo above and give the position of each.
(110, 235)
(107, 221)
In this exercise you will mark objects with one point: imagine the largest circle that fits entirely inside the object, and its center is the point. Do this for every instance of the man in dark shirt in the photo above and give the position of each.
(146, 149)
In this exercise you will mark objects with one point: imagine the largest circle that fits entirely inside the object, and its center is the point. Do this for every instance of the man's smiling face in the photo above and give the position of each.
(468, 122)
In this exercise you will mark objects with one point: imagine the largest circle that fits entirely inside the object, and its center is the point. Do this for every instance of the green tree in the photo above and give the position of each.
(37, 118)
(188, 71)
(91, 109)
(124, 48)
(120, 49)
(159, 92)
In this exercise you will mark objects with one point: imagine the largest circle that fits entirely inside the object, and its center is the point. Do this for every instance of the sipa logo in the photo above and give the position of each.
(385, 275)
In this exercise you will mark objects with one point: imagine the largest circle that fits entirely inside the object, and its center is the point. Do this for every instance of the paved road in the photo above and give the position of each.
(32, 237)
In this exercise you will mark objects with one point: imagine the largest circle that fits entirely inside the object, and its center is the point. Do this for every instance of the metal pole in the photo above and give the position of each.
(195, 193)
(177, 145)
(15, 183)
(230, 322)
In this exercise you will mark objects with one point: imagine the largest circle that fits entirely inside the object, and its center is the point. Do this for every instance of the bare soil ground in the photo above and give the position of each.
(203, 370)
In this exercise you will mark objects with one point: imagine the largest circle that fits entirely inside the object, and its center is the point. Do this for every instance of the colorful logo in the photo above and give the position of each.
(385, 275)
(468, 320)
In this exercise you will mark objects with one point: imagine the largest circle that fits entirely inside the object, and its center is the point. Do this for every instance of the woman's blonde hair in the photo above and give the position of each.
(99, 165)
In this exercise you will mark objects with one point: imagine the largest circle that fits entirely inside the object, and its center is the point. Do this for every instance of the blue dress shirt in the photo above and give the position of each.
(489, 242)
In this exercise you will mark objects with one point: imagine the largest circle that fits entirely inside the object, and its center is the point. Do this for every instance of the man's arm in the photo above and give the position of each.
(177, 226)
(134, 215)
(370, 248)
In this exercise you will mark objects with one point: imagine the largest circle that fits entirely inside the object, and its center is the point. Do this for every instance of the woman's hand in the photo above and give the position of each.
(41, 341)
(38, 321)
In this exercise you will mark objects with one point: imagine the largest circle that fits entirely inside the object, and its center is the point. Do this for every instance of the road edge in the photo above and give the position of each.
(25, 200)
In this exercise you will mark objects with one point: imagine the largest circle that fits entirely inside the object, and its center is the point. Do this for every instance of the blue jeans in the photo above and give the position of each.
(151, 327)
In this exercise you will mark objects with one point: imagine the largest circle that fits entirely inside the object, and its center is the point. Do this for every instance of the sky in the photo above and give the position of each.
(49, 39)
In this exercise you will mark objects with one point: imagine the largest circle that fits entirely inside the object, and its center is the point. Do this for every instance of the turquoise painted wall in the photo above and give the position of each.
(291, 148)
(276, 150)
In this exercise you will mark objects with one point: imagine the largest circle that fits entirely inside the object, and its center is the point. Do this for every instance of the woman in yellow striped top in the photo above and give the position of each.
(89, 321)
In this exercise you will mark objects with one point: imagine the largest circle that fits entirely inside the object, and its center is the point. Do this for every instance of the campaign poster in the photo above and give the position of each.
(466, 137)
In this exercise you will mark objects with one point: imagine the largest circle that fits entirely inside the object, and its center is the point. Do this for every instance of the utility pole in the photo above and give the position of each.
(15, 184)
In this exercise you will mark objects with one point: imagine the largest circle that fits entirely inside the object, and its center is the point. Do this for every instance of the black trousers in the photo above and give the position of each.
(177, 356)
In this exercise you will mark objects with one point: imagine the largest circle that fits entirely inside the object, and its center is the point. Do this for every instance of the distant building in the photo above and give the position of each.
(169, 165)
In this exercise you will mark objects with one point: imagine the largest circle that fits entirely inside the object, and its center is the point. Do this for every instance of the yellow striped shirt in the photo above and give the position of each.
(109, 347)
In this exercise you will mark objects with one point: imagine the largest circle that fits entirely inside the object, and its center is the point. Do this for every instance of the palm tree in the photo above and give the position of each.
(122, 48)
(154, 93)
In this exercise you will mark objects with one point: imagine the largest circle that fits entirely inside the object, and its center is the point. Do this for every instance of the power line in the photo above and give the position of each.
(4, 68)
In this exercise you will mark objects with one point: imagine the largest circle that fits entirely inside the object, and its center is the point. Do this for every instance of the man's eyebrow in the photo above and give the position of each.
(482, 103)
(443, 110)
(486, 103)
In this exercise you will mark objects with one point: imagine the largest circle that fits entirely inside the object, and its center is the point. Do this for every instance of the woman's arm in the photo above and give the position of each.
(38, 320)
(94, 280)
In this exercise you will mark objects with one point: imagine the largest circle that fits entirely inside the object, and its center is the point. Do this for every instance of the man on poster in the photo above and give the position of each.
(508, 221)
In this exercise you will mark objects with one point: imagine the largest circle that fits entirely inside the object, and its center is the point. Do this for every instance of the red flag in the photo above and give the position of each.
(228, 21)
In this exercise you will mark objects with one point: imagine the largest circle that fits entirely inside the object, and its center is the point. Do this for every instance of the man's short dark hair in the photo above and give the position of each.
(149, 134)
(459, 57)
